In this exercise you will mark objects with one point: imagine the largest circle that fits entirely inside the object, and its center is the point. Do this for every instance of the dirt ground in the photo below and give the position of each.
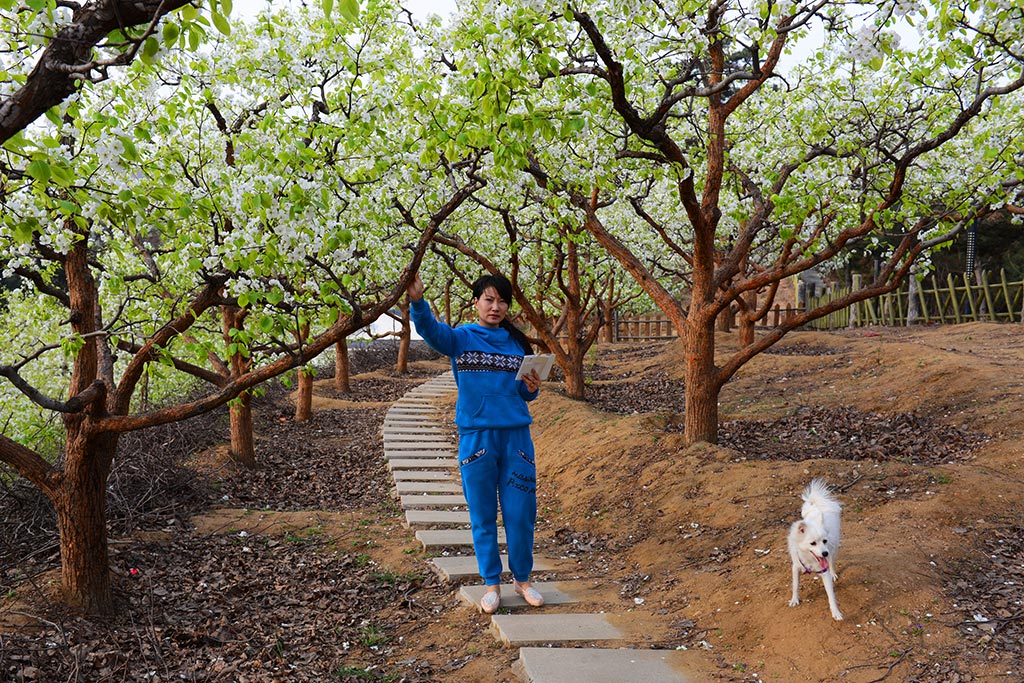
(686, 547)
(919, 430)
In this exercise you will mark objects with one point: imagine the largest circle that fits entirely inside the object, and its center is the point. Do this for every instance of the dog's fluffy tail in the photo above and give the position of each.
(818, 490)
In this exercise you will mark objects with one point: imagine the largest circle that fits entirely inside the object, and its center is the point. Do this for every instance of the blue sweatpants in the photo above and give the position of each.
(497, 467)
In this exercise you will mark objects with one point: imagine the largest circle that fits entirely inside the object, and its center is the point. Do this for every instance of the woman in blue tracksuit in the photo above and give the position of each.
(495, 449)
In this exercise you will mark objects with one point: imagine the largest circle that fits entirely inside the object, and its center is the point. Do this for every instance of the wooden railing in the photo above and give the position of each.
(657, 326)
(957, 299)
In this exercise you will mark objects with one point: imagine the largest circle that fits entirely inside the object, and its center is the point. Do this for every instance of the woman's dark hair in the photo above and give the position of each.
(503, 287)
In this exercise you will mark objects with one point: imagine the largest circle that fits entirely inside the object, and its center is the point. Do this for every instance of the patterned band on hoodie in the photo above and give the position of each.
(480, 361)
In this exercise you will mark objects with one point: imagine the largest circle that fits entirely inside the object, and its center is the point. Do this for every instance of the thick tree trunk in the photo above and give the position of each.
(342, 368)
(81, 506)
(243, 450)
(747, 321)
(700, 421)
(724, 322)
(404, 339)
(913, 303)
(304, 396)
(575, 383)
(607, 322)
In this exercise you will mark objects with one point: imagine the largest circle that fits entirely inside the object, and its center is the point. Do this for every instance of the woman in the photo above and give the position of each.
(495, 450)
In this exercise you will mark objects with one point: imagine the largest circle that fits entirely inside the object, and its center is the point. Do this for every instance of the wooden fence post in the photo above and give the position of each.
(855, 318)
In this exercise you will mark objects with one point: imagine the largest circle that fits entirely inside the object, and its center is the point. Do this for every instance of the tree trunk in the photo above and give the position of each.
(243, 450)
(342, 368)
(726, 319)
(607, 322)
(913, 304)
(404, 339)
(575, 384)
(747, 321)
(304, 396)
(448, 302)
(81, 506)
(700, 422)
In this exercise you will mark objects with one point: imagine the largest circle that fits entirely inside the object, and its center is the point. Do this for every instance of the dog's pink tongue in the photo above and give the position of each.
(823, 563)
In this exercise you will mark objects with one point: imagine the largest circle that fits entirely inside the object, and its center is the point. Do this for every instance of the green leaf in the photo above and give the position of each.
(327, 6)
(221, 22)
(149, 49)
(40, 170)
(62, 175)
(349, 9)
(267, 324)
(170, 33)
(23, 233)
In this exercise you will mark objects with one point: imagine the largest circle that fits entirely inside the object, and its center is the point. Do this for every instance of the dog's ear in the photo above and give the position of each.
(801, 528)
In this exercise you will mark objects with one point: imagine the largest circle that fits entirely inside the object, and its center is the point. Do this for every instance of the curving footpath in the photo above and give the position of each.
(424, 463)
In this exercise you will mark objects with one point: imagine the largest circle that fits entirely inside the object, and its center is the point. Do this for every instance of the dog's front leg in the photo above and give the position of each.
(830, 590)
(795, 600)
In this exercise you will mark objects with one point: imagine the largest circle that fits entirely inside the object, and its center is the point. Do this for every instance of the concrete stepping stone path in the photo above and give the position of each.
(423, 518)
(423, 475)
(428, 487)
(554, 594)
(572, 665)
(538, 629)
(423, 462)
(459, 567)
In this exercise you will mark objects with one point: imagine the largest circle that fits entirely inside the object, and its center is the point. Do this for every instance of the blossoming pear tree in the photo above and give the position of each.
(741, 174)
(564, 284)
(126, 258)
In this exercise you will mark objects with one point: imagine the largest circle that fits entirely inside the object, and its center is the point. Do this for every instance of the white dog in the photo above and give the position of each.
(814, 542)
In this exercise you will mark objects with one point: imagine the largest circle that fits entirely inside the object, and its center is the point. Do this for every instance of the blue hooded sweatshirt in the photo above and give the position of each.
(485, 361)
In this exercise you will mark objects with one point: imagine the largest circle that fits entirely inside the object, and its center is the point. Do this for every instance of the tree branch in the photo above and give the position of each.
(69, 52)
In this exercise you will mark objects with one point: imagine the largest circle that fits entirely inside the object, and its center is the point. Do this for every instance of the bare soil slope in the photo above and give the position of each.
(303, 572)
(919, 430)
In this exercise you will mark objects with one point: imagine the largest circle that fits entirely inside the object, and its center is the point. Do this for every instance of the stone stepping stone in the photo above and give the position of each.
(411, 433)
(390, 454)
(412, 430)
(423, 464)
(419, 446)
(572, 665)
(442, 501)
(417, 441)
(420, 518)
(446, 538)
(554, 594)
(539, 629)
(428, 487)
(457, 567)
(423, 475)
